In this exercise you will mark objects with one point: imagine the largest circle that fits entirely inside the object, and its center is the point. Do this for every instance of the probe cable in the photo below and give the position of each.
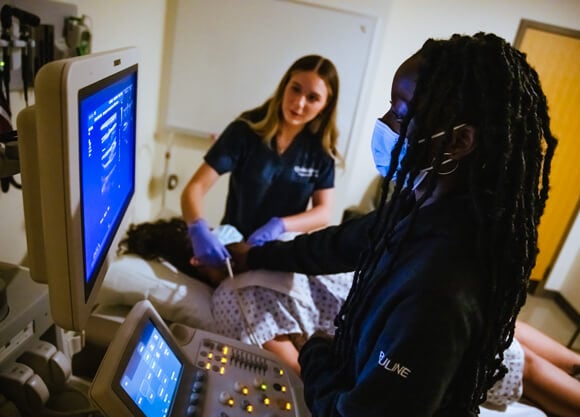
(246, 323)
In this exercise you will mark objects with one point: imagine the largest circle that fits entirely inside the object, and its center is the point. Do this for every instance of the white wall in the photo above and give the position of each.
(402, 28)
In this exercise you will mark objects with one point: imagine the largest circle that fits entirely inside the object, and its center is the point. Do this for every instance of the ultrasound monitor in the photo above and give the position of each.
(77, 148)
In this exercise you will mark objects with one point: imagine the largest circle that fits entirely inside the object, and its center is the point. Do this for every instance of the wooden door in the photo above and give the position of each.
(555, 54)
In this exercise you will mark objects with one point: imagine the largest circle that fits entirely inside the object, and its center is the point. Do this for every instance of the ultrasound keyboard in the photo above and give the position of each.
(151, 370)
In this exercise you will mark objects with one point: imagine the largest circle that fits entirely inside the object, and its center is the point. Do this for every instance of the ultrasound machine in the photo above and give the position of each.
(77, 147)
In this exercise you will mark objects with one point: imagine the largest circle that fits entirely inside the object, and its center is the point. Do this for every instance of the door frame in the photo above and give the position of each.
(526, 24)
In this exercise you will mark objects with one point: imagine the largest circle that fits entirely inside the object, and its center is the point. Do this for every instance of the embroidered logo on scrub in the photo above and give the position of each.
(306, 172)
(394, 367)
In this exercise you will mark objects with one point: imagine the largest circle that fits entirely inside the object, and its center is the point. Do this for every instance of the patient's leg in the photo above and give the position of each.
(550, 387)
(284, 349)
(546, 347)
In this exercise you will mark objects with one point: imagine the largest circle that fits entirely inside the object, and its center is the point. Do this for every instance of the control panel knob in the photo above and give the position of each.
(240, 388)
(226, 399)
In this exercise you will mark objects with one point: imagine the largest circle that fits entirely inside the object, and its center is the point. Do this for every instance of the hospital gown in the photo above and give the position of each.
(279, 304)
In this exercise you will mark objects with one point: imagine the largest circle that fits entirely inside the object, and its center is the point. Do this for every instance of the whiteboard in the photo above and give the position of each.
(229, 55)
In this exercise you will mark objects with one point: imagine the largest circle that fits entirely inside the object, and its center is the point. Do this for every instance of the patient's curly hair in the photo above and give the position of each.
(165, 239)
(483, 81)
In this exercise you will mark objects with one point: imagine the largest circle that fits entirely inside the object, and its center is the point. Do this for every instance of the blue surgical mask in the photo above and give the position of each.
(382, 143)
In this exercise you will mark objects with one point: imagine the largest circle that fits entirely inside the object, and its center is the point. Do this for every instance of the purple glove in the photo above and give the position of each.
(206, 246)
(269, 231)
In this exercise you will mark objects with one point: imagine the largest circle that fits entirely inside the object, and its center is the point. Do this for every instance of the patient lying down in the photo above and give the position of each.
(278, 311)
(168, 240)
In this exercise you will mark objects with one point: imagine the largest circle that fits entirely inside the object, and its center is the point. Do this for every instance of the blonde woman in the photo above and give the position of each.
(281, 156)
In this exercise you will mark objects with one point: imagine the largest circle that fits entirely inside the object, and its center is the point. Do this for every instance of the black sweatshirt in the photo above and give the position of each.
(415, 350)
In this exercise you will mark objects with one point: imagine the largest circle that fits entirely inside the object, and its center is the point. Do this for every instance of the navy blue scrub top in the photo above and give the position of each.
(264, 184)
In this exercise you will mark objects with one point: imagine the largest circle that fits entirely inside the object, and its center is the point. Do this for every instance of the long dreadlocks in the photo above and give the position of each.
(483, 81)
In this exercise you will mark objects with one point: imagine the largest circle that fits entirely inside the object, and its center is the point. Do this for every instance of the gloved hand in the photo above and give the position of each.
(270, 231)
(206, 246)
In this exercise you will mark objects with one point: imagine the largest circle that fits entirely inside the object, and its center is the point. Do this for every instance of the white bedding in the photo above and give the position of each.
(176, 296)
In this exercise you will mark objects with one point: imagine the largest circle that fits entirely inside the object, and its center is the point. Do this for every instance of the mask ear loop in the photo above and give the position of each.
(446, 162)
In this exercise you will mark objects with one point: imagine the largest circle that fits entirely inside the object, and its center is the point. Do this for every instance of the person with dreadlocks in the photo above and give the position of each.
(441, 269)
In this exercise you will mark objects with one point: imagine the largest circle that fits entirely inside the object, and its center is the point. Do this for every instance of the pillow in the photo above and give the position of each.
(176, 296)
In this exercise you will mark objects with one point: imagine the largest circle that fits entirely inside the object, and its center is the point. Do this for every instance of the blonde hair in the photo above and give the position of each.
(323, 125)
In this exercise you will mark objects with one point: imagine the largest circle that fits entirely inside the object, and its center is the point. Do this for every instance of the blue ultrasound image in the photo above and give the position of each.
(107, 129)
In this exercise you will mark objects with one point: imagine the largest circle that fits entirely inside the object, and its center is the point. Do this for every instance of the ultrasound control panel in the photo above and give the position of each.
(242, 380)
(151, 370)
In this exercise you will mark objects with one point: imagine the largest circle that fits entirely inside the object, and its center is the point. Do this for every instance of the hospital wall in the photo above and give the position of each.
(402, 27)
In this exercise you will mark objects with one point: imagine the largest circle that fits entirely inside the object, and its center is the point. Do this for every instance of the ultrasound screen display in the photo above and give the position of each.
(107, 130)
(151, 377)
